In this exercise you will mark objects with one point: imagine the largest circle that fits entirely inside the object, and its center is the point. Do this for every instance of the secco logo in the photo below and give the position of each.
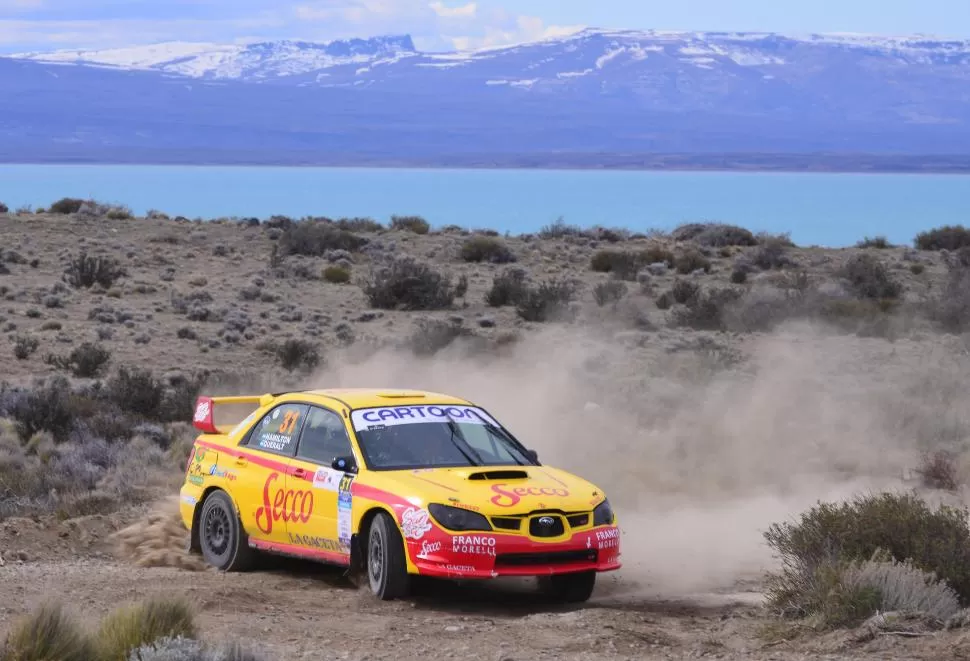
(427, 548)
(286, 506)
(509, 497)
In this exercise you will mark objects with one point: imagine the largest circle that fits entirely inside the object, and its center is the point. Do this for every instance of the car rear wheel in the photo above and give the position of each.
(224, 544)
(386, 564)
(569, 588)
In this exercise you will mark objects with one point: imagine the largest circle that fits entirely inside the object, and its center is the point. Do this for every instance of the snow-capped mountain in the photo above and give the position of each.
(255, 61)
(594, 97)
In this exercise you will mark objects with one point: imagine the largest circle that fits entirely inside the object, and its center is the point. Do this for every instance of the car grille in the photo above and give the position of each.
(556, 558)
(563, 522)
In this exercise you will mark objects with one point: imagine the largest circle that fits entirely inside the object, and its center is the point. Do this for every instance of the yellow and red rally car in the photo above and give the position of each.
(399, 483)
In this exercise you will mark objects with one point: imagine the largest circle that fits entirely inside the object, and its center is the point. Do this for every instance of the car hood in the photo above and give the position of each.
(497, 491)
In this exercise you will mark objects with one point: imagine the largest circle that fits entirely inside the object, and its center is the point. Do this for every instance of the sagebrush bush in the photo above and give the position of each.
(24, 346)
(714, 235)
(295, 354)
(621, 264)
(85, 361)
(559, 230)
(415, 224)
(47, 406)
(131, 627)
(685, 291)
(434, 335)
(368, 225)
(487, 249)
(772, 252)
(408, 284)
(903, 587)
(187, 649)
(706, 310)
(868, 277)
(85, 271)
(902, 525)
(48, 634)
(947, 237)
(691, 261)
(313, 238)
(548, 301)
(938, 470)
(508, 288)
(951, 307)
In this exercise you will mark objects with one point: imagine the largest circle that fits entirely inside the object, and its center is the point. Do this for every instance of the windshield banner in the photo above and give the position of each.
(386, 416)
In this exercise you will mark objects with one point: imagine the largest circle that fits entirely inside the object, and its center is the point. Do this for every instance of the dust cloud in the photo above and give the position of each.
(158, 540)
(700, 451)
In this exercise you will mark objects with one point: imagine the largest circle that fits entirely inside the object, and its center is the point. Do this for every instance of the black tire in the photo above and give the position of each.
(569, 588)
(224, 543)
(387, 571)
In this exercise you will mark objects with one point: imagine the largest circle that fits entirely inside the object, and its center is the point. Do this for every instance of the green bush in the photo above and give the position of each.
(875, 243)
(131, 627)
(691, 261)
(368, 225)
(67, 205)
(508, 288)
(830, 535)
(487, 249)
(684, 291)
(626, 264)
(85, 362)
(415, 224)
(294, 353)
(948, 237)
(409, 285)
(336, 275)
(48, 634)
(24, 346)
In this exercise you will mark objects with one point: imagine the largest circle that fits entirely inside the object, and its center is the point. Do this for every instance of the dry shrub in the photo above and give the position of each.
(508, 288)
(875, 243)
(869, 278)
(611, 291)
(67, 205)
(939, 471)
(336, 274)
(903, 587)
(714, 235)
(415, 224)
(186, 649)
(48, 634)
(707, 310)
(951, 308)
(85, 362)
(947, 237)
(434, 335)
(825, 538)
(691, 261)
(296, 354)
(130, 627)
(772, 252)
(314, 238)
(487, 249)
(158, 540)
(408, 284)
(549, 301)
(85, 271)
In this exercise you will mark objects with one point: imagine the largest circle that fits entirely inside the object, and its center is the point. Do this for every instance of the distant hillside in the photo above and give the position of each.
(595, 99)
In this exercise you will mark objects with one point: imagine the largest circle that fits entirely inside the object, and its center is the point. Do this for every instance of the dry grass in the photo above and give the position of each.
(130, 627)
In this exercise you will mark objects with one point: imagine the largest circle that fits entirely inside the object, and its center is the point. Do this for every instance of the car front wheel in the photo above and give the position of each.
(386, 563)
(569, 588)
(223, 541)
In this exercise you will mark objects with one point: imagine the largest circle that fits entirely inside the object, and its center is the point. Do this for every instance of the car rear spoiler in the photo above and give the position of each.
(204, 418)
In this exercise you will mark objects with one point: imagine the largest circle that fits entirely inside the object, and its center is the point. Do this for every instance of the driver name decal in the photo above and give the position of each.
(409, 415)
(414, 523)
(506, 497)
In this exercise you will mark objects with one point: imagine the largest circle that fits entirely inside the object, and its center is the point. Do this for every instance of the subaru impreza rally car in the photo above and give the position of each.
(395, 484)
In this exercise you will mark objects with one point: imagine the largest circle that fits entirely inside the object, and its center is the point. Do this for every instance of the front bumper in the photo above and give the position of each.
(493, 554)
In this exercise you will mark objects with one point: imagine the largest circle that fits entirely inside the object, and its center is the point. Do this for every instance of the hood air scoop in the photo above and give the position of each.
(499, 475)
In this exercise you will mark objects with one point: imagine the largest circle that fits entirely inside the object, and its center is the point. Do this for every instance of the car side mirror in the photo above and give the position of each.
(533, 455)
(345, 464)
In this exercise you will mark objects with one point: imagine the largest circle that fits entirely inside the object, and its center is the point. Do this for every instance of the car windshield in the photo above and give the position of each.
(410, 437)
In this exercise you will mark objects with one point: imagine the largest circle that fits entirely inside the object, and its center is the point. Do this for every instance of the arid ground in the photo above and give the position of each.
(713, 383)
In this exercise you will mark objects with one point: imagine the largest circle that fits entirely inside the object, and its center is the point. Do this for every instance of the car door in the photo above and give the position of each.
(267, 505)
(324, 441)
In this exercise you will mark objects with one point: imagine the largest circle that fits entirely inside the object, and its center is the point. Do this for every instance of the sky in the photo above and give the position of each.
(29, 25)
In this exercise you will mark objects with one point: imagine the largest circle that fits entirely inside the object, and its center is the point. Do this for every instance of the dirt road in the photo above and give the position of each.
(294, 610)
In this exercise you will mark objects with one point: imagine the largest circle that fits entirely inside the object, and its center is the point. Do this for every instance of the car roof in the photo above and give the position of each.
(359, 398)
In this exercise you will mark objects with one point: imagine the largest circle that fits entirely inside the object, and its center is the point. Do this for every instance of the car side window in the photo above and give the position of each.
(324, 437)
(278, 430)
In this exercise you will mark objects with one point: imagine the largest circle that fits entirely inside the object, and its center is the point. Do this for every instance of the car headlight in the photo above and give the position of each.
(603, 514)
(456, 518)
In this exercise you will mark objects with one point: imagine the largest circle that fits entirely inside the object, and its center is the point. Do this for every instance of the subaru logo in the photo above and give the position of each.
(547, 521)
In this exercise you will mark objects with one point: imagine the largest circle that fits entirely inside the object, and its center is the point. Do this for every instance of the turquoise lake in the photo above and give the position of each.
(816, 209)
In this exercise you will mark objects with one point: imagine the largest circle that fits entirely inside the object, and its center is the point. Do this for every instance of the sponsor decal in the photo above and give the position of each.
(459, 568)
(196, 480)
(327, 478)
(414, 523)
(274, 441)
(202, 411)
(215, 471)
(286, 505)
(506, 497)
(191, 500)
(427, 548)
(318, 543)
(608, 539)
(409, 415)
(345, 508)
(473, 545)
